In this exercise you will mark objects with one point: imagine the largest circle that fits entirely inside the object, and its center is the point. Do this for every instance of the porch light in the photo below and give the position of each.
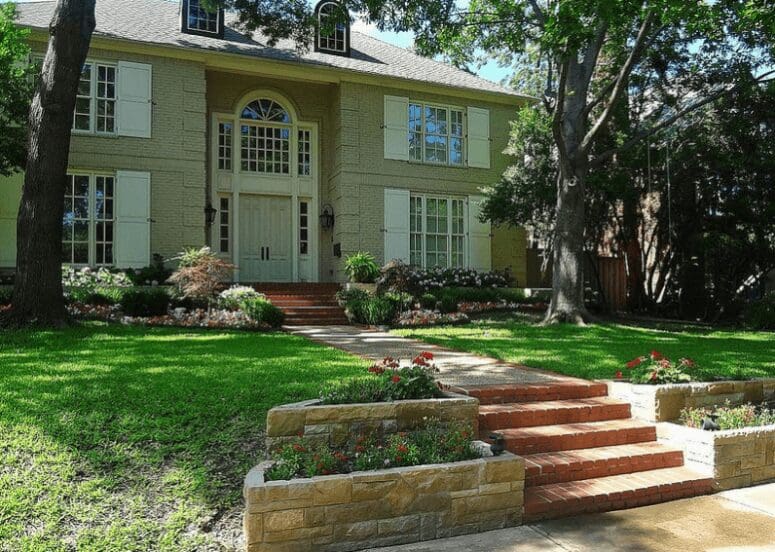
(327, 217)
(210, 214)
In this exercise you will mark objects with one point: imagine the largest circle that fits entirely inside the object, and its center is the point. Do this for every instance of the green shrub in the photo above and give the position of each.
(729, 417)
(482, 295)
(377, 310)
(428, 301)
(260, 309)
(232, 297)
(105, 296)
(155, 272)
(145, 302)
(448, 304)
(5, 295)
(361, 267)
(760, 315)
(352, 294)
(656, 368)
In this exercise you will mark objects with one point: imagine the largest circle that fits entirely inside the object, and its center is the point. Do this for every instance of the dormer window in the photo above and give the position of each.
(333, 28)
(198, 18)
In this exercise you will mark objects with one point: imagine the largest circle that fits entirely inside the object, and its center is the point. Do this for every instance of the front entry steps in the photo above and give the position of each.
(306, 304)
(583, 451)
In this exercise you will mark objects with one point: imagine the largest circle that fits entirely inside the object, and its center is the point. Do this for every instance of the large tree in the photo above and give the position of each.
(594, 55)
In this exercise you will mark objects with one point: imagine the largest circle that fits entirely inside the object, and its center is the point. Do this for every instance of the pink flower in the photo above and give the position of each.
(656, 355)
(395, 379)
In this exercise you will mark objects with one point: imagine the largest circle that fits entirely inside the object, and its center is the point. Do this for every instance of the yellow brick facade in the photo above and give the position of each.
(353, 172)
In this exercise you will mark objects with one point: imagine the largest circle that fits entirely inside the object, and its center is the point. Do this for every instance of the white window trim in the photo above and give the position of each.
(93, 100)
(449, 108)
(93, 218)
(220, 225)
(424, 231)
(320, 37)
(218, 158)
(204, 31)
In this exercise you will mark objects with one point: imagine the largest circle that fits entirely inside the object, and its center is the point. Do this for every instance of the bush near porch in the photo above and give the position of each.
(116, 438)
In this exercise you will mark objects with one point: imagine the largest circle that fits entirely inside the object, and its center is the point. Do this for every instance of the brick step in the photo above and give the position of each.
(573, 465)
(321, 302)
(614, 492)
(529, 392)
(552, 438)
(317, 322)
(296, 287)
(537, 413)
(321, 311)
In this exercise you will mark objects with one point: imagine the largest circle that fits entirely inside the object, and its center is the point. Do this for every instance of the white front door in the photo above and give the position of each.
(265, 239)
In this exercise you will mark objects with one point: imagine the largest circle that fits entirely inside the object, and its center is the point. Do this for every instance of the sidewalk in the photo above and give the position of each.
(457, 368)
(738, 520)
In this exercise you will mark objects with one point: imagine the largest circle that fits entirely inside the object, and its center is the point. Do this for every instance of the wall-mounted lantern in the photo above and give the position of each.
(210, 214)
(327, 217)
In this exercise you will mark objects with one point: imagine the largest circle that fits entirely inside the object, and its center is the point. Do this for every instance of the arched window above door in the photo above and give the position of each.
(266, 110)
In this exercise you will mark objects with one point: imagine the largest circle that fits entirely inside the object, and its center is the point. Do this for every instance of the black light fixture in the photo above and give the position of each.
(327, 217)
(210, 214)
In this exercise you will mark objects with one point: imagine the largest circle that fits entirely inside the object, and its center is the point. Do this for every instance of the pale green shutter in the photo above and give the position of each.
(396, 225)
(396, 128)
(133, 219)
(479, 254)
(134, 99)
(478, 137)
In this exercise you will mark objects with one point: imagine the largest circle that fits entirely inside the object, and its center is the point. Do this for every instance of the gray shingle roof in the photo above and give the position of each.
(157, 22)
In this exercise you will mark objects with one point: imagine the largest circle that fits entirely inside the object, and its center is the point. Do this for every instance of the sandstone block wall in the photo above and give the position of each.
(360, 510)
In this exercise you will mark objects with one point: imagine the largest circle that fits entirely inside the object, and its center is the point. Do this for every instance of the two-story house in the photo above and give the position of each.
(188, 132)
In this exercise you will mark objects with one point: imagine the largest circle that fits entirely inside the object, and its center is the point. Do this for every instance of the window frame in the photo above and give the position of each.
(94, 98)
(304, 224)
(423, 133)
(345, 51)
(424, 234)
(227, 238)
(225, 163)
(219, 22)
(93, 218)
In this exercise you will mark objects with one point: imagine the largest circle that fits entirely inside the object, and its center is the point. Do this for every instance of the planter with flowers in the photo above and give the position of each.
(659, 389)
(387, 399)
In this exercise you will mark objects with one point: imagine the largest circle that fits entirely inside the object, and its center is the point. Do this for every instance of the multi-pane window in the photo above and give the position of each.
(89, 220)
(305, 152)
(266, 149)
(224, 235)
(265, 145)
(200, 19)
(435, 134)
(436, 232)
(333, 39)
(95, 103)
(303, 227)
(225, 137)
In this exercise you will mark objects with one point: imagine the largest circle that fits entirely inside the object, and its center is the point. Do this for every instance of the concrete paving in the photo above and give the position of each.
(738, 520)
(456, 368)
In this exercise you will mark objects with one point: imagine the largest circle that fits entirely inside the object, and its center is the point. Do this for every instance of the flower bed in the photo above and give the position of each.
(366, 509)
(735, 457)
(425, 317)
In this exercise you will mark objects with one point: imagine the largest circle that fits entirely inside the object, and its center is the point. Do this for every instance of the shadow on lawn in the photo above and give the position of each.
(133, 403)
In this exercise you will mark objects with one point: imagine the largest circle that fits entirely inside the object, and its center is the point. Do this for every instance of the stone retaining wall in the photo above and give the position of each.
(735, 458)
(338, 423)
(360, 510)
(663, 403)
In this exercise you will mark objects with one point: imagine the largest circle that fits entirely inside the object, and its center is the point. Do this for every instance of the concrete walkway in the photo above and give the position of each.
(739, 520)
(457, 368)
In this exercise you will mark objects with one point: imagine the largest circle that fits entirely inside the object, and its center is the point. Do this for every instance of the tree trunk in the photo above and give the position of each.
(37, 296)
(567, 303)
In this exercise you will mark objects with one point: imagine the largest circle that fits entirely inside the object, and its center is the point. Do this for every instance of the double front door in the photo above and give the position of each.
(265, 238)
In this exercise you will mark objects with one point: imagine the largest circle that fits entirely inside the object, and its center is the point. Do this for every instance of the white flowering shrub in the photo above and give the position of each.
(233, 297)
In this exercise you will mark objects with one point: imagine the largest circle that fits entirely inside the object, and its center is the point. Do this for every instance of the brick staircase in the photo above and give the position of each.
(306, 304)
(583, 451)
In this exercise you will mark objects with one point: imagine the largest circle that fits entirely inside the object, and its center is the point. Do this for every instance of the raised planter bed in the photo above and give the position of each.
(385, 507)
(734, 457)
(663, 403)
(338, 423)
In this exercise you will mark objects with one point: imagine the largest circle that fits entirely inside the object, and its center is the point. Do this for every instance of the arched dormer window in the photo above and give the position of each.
(265, 137)
(196, 17)
(333, 28)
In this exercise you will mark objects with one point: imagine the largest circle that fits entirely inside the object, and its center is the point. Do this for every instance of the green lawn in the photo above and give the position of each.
(119, 438)
(598, 351)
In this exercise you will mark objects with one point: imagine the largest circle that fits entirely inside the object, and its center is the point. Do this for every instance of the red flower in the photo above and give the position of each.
(360, 448)
(689, 363)
(654, 375)
(656, 355)
(403, 448)
(427, 355)
(420, 361)
(395, 379)
(298, 448)
(634, 363)
(619, 374)
(399, 458)
(377, 369)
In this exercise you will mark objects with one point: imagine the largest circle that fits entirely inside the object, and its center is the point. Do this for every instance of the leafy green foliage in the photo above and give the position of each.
(361, 267)
(155, 272)
(200, 273)
(374, 310)
(261, 309)
(481, 295)
(230, 298)
(448, 304)
(656, 368)
(145, 301)
(138, 435)
(5, 295)
(16, 77)
(388, 382)
(436, 443)
(428, 301)
(729, 417)
(760, 315)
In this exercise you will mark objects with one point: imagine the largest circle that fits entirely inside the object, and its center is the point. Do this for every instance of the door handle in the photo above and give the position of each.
(267, 253)
(262, 252)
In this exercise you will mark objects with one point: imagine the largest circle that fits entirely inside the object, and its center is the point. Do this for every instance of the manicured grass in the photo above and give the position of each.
(598, 351)
(120, 438)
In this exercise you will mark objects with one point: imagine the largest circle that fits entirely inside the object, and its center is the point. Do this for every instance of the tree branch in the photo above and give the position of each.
(608, 154)
(621, 82)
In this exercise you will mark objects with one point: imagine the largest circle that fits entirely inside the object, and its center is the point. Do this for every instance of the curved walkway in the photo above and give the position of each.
(456, 368)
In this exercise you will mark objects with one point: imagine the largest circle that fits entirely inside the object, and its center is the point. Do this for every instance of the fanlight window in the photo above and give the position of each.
(333, 40)
(266, 111)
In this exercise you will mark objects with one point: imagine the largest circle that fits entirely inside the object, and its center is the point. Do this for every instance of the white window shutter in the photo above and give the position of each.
(479, 137)
(396, 128)
(479, 253)
(396, 225)
(134, 99)
(132, 240)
